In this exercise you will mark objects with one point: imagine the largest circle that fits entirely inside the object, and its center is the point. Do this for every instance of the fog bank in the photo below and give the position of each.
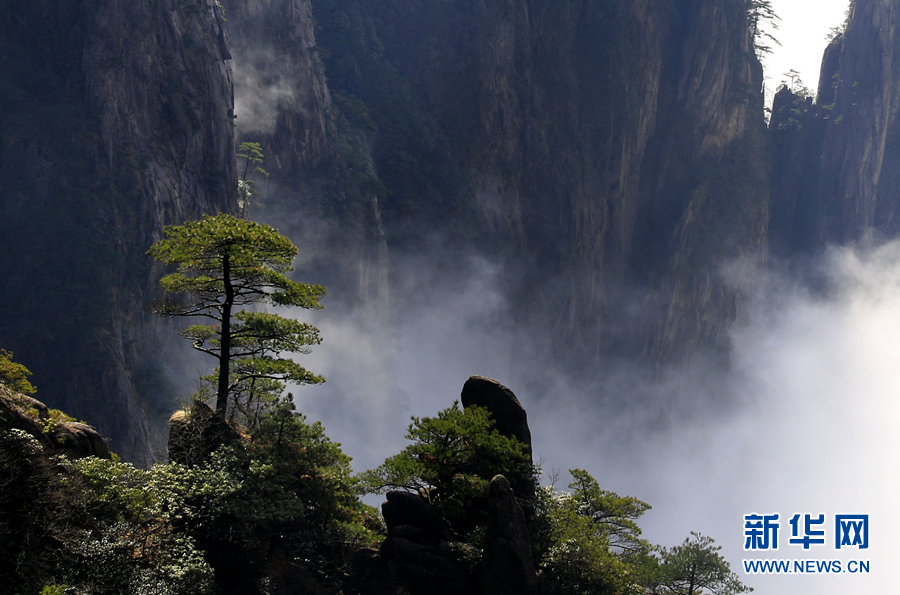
(802, 422)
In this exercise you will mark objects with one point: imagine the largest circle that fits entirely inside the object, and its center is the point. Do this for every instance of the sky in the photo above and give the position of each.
(801, 32)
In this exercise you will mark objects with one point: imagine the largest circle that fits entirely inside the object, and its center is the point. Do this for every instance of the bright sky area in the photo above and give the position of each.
(802, 30)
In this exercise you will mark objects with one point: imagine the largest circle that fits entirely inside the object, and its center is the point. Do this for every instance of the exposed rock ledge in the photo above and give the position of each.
(71, 438)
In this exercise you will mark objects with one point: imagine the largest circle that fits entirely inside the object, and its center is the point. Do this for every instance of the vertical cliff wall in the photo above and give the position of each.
(281, 94)
(839, 156)
(857, 133)
(602, 150)
(610, 155)
(115, 119)
(322, 190)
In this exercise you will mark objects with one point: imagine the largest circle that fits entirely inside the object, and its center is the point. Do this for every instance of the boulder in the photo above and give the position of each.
(417, 551)
(79, 440)
(369, 575)
(403, 509)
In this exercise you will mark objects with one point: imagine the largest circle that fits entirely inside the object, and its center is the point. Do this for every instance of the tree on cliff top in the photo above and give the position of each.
(226, 263)
(760, 13)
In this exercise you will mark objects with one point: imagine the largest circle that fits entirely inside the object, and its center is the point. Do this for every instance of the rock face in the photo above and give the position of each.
(507, 567)
(510, 417)
(282, 99)
(610, 155)
(73, 439)
(604, 148)
(197, 432)
(322, 191)
(838, 157)
(115, 119)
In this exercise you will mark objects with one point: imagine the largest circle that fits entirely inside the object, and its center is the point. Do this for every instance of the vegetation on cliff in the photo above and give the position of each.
(584, 540)
(281, 498)
(14, 376)
(276, 510)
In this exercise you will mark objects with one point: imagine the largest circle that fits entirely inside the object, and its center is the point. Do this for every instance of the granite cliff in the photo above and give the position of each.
(598, 149)
(116, 120)
(608, 156)
(837, 175)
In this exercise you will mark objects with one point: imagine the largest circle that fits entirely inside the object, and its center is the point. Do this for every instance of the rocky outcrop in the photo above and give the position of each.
(507, 566)
(797, 127)
(403, 509)
(73, 439)
(415, 557)
(418, 555)
(422, 555)
(510, 418)
(196, 432)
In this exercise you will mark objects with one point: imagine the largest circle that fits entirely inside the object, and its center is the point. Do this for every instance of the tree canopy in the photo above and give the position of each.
(451, 461)
(760, 14)
(695, 567)
(224, 264)
(13, 375)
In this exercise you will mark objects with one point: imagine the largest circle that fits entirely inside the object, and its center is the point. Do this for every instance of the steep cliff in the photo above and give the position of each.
(280, 89)
(115, 119)
(838, 180)
(856, 136)
(601, 150)
(322, 190)
(611, 156)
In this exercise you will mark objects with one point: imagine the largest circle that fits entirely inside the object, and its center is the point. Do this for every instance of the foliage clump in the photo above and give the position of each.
(250, 159)
(451, 462)
(106, 527)
(14, 376)
(585, 540)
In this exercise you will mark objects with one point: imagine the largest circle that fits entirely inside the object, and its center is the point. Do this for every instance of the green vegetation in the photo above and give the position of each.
(281, 498)
(225, 263)
(761, 14)
(250, 159)
(451, 462)
(106, 527)
(586, 541)
(590, 542)
(14, 376)
(696, 567)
